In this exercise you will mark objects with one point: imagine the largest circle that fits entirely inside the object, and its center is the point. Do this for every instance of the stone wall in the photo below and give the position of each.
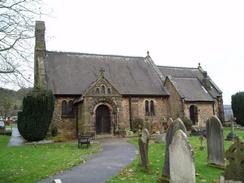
(205, 111)
(175, 101)
(66, 125)
(138, 110)
(120, 113)
(125, 116)
(87, 114)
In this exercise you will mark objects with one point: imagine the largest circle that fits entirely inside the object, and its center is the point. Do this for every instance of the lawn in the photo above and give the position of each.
(135, 174)
(31, 163)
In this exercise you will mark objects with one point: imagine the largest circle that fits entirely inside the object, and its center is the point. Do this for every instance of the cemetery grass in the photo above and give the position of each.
(135, 174)
(31, 163)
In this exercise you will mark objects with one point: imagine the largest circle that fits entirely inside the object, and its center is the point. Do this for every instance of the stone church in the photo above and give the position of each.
(104, 93)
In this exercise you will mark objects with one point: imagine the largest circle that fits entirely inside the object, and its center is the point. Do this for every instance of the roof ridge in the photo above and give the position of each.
(94, 54)
(177, 67)
(185, 78)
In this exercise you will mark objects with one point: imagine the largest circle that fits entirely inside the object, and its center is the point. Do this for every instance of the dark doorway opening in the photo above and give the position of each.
(194, 114)
(103, 121)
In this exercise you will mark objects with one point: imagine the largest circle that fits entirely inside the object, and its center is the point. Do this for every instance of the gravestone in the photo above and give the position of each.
(160, 138)
(215, 142)
(182, 168)
(170, 121)
(176, 125)
(235, 155)
(231, 136)
(202, 147)
(143, 148)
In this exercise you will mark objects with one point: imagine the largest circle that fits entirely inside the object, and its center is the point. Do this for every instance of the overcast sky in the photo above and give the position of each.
(176, 32)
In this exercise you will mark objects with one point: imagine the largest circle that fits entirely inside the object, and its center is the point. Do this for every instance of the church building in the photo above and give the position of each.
(105, 93)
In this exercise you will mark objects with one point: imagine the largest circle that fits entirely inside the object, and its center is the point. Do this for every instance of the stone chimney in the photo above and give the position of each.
(40, 53)
(205, 81)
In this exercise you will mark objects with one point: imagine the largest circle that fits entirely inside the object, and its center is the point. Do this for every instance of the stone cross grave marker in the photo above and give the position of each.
(143, 148)
(235, 155)
(215, 142)
(182, 168)
(231, 136)
(176, 125)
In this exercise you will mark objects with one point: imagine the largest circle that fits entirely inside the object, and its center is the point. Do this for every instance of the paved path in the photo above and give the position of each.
(116, 154)
(16, 139)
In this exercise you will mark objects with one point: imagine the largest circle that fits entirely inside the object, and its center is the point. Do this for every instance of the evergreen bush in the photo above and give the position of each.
(188, 123)
(137, 125)
(34, 120)
(237, 104)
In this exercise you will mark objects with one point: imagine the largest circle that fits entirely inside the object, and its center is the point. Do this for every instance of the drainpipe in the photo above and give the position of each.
(183, 107)
(213, 109)
(77, 119)
(130, 113)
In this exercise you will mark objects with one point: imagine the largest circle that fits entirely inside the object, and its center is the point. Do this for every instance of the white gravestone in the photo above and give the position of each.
(182, 168)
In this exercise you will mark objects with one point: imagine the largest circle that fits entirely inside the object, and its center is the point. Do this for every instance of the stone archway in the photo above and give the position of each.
(193, 114)
(103, 120)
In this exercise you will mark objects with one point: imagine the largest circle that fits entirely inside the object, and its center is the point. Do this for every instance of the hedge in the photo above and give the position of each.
(34, 120)
(237, 104)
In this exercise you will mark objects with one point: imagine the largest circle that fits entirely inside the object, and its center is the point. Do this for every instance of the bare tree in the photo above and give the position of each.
(17, 19)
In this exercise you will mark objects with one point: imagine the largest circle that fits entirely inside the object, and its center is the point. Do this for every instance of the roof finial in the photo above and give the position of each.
(148, 54)
(101, 72)
(199, 65)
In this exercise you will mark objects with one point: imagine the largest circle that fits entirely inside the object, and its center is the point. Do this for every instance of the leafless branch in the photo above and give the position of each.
(17, 18)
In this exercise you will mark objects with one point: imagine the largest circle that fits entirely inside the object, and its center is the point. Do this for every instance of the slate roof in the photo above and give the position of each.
(72, 73)
(188, 80)
(191, 89)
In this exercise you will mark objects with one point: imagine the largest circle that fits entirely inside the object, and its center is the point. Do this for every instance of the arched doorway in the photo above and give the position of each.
(103, 120)
(194, 114)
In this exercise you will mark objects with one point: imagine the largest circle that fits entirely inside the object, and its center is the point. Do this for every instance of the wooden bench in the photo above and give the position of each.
(84, 139)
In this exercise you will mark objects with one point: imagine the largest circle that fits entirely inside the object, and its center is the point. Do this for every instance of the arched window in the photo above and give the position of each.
(103, 89)
(97, 91)
(109, 91)
(64, 107)
(149, 108)
(146, 108)
(152, 112)
(70, 111)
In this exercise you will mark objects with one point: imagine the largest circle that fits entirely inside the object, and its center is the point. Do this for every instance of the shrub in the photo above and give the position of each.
(54, 131)
(187, 122)
(34, 120)
(137, 125)
(59, 138)
(129, 132)
(237, 104)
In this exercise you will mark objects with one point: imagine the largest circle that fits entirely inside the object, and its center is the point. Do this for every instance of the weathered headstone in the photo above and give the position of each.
(231, 136)
(182, 168)
(202, 147)
(235, 155)
(176, 125)
(160, 138)
(143, 148)
(215, 142)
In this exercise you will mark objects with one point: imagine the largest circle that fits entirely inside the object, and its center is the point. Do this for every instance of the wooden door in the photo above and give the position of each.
(103, 122)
